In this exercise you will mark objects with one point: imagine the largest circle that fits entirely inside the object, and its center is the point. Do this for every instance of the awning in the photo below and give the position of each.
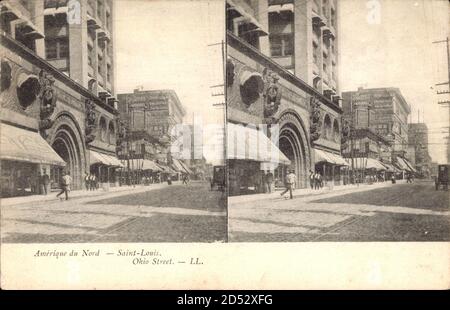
(188, 170)
(150, 165)
(324, 156)
(410, 166)
(247, 17)
(366, 163)
(247, 143)
(28, 146)
(277, 8)
(107, 160)
(389, 167)
(54, 11)
(177, 166)
(166, 169)
(401, 163)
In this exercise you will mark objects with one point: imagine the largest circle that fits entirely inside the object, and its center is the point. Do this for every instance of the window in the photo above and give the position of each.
(315, 52)
(100, 65)
(281, 44)
(90, 52)
(108, 21)
(57, 48)
(108, 73)
(99, 9)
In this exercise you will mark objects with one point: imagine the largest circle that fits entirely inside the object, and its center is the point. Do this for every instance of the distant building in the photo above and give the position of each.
(149, 117)
(418, 144)
(385, 111)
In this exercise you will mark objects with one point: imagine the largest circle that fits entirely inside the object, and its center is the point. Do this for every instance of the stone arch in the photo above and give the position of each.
(294, 142)
(67, 140)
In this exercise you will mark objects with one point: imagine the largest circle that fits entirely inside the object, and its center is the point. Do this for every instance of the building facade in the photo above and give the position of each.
(269, 92)
(149, 118)
(418, 144)
(384, 111)
(48, 107)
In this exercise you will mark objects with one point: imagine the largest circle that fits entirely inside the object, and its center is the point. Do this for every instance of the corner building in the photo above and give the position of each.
(268, 86)
(58, 106)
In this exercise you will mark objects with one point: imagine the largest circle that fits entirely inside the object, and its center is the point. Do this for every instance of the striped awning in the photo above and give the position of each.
(150, 165)
(324, 156)
(104, 159)
(366, 163)
(28, 146)
(248, 143)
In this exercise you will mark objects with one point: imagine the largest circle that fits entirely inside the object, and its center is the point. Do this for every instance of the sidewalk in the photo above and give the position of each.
(303, 192)
(79, 194)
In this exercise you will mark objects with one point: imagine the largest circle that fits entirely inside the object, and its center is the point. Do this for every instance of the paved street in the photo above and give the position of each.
(400, 212)
(179, 213)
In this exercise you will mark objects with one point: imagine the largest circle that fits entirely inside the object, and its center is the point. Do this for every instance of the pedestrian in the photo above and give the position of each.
(169, 179)
(45, 181)
(87, 181)
(311, 179)
(184, 178)
(66, 180)
(320, 180)
(316, 180)
(290, 182)
(93, 182)
(269, 181)
(33, 183)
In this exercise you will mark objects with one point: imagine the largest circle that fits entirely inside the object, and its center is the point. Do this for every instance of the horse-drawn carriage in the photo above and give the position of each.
(443, 177)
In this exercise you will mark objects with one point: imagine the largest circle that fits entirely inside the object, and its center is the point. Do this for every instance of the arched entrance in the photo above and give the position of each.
(67, 142)
(294, 144)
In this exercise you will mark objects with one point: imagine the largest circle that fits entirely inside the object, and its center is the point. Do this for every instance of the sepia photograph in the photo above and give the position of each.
(103, 109)
(338, 120)
(224, 144)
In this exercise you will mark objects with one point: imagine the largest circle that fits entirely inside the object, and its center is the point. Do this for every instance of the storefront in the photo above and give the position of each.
(367, 170)
(25, 158)
(251, 154)
(104, 166)
(329, 165)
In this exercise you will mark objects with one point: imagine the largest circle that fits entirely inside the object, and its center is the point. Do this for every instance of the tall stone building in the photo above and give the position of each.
(418, 144)
(385, 111)
(271, 85)
(53, 117)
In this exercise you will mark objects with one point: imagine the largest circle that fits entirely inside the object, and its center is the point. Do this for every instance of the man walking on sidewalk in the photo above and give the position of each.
(45, 181)
(311, 179)
(290, 181)
(65, 185)
(269, 181)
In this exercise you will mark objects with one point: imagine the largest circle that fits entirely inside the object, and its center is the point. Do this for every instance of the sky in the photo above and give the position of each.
(165, 45)
(394, 49)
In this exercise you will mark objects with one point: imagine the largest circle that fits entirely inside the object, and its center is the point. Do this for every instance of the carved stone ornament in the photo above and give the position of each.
(272, 95)
(345, 134)
(47, 99)
(315, 120)
(90, 121)
(230, 72)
